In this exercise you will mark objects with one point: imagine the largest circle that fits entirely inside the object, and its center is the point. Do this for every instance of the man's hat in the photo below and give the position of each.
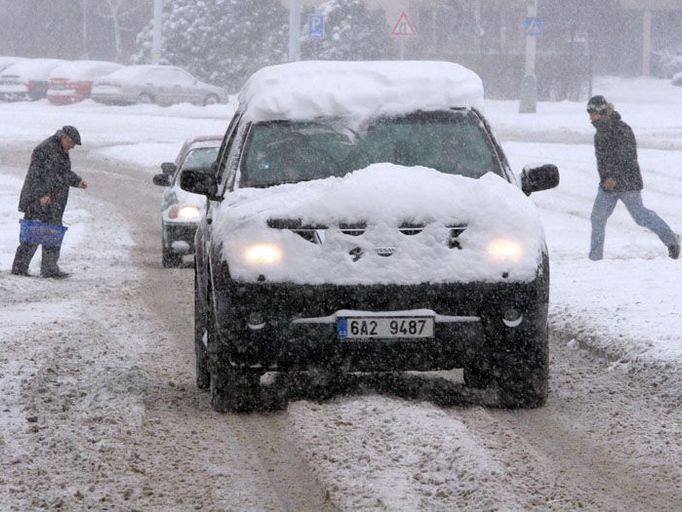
(597, 105)
(71, 132)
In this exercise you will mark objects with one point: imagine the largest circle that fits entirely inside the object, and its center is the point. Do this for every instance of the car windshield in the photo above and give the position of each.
(452, 142)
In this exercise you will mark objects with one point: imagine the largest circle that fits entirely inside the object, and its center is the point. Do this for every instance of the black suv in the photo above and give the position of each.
(362, 217)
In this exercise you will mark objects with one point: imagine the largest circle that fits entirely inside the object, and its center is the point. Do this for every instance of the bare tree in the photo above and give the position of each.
(118, 11)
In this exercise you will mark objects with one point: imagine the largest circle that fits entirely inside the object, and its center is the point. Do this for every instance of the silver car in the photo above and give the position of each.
(181, 211)
(163, 85)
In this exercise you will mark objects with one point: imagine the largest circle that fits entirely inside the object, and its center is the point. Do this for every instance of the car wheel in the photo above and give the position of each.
(211, 99)
(169, 259)
(231, 389)
(521, 369)
(145, 98)
(478, 375)
(200, 331)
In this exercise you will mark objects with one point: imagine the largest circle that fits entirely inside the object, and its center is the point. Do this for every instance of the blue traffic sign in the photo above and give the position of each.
(316, 26)
(533, 26)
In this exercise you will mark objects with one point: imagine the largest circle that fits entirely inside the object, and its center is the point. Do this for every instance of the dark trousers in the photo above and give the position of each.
(24, 255)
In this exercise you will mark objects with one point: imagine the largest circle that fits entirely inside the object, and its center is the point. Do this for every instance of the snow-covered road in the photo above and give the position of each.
(98, 407)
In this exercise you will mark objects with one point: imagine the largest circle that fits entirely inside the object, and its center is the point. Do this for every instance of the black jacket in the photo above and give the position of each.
(49, 174)
(616, 150)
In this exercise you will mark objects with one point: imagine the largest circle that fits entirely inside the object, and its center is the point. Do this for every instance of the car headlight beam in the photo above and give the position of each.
(259, 254)
(186, 212)
(504, 250)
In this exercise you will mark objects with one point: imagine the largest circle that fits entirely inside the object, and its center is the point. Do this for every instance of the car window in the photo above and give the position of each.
(180, 77)
(156, 76)
(227, 159)
(198, 158)
(453, 142)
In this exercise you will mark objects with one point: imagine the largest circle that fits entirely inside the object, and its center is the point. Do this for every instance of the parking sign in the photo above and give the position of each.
(316, 26)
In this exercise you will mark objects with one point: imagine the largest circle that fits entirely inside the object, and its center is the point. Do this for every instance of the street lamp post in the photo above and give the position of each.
(294, 30)
(156, 36)
(85, 29)
(529, 86)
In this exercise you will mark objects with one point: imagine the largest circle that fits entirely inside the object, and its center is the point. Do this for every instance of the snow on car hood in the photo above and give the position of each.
(381, 198)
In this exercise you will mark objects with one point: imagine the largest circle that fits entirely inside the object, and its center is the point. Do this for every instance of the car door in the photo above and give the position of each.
(207, 251)
(182, 87)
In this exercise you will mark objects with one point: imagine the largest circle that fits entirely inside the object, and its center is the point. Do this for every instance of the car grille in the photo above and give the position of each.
(314, 233)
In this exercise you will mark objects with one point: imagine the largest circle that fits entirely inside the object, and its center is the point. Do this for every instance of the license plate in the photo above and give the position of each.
(385, 327)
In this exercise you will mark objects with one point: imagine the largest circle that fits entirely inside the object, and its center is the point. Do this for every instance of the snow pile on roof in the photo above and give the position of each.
(133, 72)
(384, 196)
(306, 90)
(32, 69)
(84, 69)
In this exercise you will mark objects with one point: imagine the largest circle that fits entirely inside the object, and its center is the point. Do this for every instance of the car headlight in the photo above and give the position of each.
(504, 249)
(184, 212)
(262, 254)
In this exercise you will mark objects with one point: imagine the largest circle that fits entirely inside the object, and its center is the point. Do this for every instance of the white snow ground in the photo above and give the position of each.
(627, 304)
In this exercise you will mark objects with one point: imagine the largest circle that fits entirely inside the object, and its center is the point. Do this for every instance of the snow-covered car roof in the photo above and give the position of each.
(6, 61)
(32, 68)
(84, 69)
(138, 71)
(312, 89)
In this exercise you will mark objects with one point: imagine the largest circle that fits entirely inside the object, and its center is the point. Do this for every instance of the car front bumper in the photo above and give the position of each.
(299, 328)
(180, 232)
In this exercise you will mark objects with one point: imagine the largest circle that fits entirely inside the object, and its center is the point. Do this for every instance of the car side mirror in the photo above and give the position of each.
(168, 167)
(163, 180)
(199, 181)
(543, 177)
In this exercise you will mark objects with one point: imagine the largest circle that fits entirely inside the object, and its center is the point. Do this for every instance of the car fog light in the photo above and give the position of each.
(256, 321)
(512, 318)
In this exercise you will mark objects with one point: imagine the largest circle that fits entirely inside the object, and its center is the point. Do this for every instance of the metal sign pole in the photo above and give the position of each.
(156, 38)
(294, 30)
(529, 86)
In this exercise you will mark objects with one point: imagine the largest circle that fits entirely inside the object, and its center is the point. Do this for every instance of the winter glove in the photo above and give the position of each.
(609, 184)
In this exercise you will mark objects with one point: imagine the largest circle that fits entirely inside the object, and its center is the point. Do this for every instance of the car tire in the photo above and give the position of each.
(169, 259)
(145, 99)
(478, 375)
(231, 389)
(520, 370)
(211, 99)
(202, 373)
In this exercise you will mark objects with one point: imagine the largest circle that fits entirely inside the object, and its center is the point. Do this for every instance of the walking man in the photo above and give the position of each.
(45, 194)
(620, 178)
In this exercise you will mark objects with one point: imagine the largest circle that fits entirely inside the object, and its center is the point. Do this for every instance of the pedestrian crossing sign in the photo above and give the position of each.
(403, 26)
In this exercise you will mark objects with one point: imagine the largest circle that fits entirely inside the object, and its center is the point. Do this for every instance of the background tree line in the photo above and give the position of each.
(224, 41)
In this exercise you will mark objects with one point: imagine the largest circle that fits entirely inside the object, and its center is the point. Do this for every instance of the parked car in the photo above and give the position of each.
(8, 61)
(677, 79)
(180, 210)
(26, 79)
(362, 217)
(72, 82)
(163, 85)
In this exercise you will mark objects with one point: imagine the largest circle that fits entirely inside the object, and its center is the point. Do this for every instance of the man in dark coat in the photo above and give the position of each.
(45, 194)
(620, 178)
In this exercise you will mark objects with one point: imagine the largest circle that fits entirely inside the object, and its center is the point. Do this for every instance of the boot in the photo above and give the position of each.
(22, 259)
(48, 265)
